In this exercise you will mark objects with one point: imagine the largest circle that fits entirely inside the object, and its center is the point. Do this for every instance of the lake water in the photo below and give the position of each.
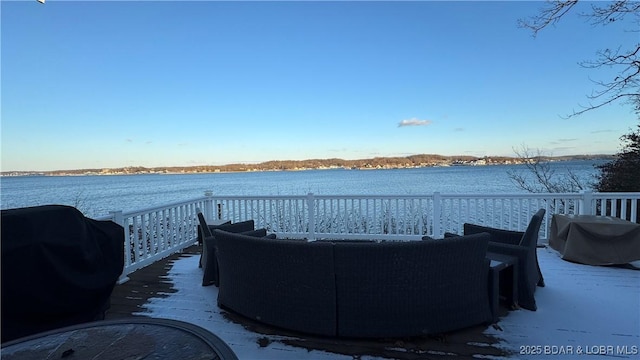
(97, 195)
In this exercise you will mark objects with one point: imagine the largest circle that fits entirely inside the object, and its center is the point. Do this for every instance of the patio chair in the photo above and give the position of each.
(208, 260)
(204, 224)
(523, 245)
(205, 230)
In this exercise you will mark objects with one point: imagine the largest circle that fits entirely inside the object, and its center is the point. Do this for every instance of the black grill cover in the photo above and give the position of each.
(58, 268)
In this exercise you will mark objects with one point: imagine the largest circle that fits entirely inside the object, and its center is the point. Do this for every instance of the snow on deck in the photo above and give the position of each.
(584, 310)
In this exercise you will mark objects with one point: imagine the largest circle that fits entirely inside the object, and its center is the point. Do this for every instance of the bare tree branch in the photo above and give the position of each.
(540, 176)
(626, 84)
(615, 11)
(548, 16)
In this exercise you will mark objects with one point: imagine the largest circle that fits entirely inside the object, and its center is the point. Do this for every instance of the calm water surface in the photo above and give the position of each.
(97, 195)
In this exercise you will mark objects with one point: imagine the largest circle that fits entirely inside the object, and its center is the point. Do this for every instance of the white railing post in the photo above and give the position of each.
(586, 203)
(437, 214)
(208, 206)
(311, 210)
(118, 218)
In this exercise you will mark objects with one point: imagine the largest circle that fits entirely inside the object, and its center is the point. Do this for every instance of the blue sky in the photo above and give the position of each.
(124, 83)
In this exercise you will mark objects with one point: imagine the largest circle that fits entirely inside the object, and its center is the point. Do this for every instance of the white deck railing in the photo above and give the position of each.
(152, 234)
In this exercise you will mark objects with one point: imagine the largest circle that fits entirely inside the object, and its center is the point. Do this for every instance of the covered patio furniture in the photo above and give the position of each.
(522, 245)
(58, 268)
(595, 240)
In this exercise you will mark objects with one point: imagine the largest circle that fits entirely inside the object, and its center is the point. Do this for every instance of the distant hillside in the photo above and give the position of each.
(413, 161)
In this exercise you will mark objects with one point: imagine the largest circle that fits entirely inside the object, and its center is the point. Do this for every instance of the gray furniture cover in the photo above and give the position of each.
(356, 289)
(58, 268)
(523, 245)
(595, 240)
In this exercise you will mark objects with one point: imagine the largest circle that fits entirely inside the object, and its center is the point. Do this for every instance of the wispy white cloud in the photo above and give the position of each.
(414, 122)
(561, 141)
(562, 150)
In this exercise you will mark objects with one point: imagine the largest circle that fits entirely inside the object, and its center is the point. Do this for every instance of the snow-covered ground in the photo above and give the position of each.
(582, 311)
(590, 312)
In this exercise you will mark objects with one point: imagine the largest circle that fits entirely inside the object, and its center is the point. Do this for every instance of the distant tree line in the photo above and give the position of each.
(422, 160)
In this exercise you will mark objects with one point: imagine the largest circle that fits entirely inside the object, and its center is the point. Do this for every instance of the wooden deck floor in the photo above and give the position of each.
(146, 283)
(152, 282)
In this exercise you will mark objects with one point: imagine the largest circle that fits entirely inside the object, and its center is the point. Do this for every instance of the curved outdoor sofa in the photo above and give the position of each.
(356, 289)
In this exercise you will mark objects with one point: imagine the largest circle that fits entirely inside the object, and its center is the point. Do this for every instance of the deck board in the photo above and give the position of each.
(129, 299)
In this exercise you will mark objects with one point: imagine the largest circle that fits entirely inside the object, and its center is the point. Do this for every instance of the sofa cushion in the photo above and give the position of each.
(256, 233)
(497, 235)
(211, 228)
(261, 233)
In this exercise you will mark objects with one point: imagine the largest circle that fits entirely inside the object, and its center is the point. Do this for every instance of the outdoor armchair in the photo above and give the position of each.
(523, 245)
(203, 226)
(203, 231)
(208, 260)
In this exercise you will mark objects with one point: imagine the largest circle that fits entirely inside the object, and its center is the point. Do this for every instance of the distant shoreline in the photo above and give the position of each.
(413, 161)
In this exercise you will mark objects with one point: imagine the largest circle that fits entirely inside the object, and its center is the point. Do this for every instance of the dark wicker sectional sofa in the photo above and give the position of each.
(356, 289)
